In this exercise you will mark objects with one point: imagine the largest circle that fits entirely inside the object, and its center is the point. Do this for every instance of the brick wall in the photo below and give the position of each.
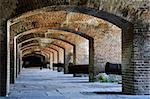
(82, 52)
(107, 48)
(136, 78)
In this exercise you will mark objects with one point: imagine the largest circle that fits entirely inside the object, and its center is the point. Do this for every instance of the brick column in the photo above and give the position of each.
(68, 57)
(74, 55)
(15, 57)
(92, 74)
(66, 62)
(12, 66)
(136, 60)
(4, 70)
(17, 61)
(20, 61)
(51, 60)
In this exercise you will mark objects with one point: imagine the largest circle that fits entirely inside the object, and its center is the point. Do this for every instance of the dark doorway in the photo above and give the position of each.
(34, 60)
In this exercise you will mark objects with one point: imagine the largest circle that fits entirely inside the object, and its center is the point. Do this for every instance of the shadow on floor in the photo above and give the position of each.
(102, 93)
(78, 82)
(111, 93)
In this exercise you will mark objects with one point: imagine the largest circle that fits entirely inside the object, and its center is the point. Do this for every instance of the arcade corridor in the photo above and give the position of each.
(46, 45)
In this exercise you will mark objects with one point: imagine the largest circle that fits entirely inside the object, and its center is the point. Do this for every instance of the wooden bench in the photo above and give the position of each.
(112, 68)
(78, 69)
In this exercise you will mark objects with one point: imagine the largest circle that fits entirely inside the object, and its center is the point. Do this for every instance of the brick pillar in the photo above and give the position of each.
(4, 70)
(15, 58)
(64, 59)
(68, 57)
(12, 66)
(20, 61)
(136, 60)
(92, 74)
(17, 61)
(66, 62)
(74, 55)
(51, 61)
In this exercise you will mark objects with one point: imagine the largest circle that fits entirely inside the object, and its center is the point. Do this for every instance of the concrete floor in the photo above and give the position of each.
(46, 84)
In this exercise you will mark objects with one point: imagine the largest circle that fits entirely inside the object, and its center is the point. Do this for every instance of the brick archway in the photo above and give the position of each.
(50, 57)
(123, 24)
(71, 31)
(67, 42)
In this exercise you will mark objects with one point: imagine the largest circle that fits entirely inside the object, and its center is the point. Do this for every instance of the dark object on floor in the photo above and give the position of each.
(112, 68)
(78, 69)
(59, 66)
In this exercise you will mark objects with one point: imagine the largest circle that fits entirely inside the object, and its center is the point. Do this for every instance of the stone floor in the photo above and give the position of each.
(45, 84)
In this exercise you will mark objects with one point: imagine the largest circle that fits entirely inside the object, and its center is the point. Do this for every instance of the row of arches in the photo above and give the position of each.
(56, 32)
(86, 22)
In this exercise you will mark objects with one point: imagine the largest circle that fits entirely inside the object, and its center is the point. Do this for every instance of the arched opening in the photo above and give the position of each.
(77, 58)
(33, 60)
(70, 50)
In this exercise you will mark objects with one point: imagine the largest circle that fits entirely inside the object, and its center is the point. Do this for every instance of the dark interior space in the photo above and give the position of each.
(34, 60)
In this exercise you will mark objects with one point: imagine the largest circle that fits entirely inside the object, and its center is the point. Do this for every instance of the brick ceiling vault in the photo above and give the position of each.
(55, 23)
(44, 53)
(67, 36)
(29, 25)
(35, 41)
(53, 20)
(36, 49)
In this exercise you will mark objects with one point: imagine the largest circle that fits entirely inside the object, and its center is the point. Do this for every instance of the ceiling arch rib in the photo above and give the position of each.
(46, 54)
(57, 34)
(37, 44)
(120, 22)
(35, 48)
(37, 40)
(60, 45)
(59, 48)
(32, 49)
(55, 44)
(32, 44)
(31, 54)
